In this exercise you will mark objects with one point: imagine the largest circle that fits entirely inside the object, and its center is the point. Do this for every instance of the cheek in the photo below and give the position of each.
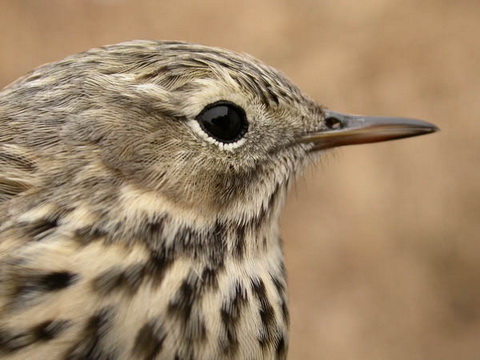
(200, 182)
(182, 176)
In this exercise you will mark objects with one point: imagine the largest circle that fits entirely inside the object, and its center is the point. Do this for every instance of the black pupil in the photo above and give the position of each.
(223, 121)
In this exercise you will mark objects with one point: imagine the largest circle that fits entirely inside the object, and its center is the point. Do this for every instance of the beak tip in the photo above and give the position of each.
(431, 128)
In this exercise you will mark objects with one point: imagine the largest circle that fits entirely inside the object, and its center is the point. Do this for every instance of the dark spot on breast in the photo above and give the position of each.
(92, 344)
(280, 286)
(127, 279)
(130, 278)
(88, 234)
(210, 278)
(157, 266)
(29, 288)
(57, 280)
(41, 228)
(266, 311)
(151, 233)
(49, 330)
(230, 313)
(12, 341)
(29, 284)
(109, 280)
(182, 307)
(182, 303)
(218, 246)
(133, 277)
(149, 341)
(281, 348)
(239, 242)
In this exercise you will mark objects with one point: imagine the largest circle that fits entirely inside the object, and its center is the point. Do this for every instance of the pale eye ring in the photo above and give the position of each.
(223, 121)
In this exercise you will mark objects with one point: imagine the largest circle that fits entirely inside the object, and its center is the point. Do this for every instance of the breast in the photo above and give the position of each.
(69, 300)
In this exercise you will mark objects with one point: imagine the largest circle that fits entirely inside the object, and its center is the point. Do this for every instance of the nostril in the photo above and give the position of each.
(333, 123)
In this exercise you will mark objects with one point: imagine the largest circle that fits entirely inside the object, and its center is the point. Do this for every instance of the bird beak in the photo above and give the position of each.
(343, 129)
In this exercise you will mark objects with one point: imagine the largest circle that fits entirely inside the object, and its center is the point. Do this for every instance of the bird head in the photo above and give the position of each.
(209, 130)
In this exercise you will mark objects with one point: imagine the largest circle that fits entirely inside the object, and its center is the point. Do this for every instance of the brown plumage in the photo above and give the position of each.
(140, 189)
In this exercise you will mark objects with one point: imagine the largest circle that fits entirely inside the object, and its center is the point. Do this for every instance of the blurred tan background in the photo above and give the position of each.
(382, 241)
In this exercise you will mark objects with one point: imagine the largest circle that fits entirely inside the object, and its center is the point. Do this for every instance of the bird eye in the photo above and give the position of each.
(223, 121)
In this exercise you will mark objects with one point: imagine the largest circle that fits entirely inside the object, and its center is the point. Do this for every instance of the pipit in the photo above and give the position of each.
(140, 190)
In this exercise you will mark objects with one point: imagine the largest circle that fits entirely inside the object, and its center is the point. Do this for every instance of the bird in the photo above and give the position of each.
(141, 185)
